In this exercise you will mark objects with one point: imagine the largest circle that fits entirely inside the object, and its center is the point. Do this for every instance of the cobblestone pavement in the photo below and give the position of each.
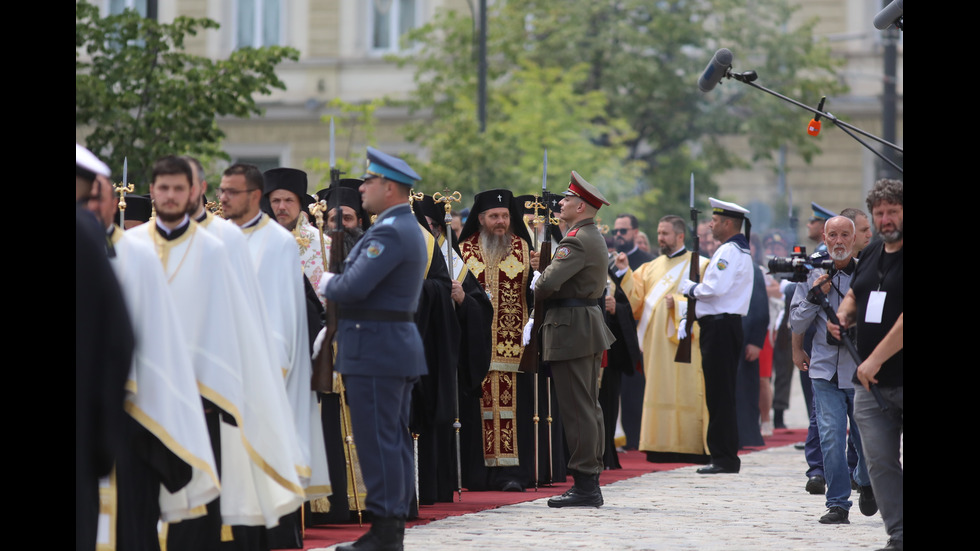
(764, 507)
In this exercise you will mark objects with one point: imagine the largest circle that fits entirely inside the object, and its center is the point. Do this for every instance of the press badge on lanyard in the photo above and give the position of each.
(876, 303)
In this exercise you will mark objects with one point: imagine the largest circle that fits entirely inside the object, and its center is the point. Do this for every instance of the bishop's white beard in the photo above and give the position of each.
(495, 247)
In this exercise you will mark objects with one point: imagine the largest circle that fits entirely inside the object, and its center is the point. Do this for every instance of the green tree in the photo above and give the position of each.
(534, 108)
(142, 97)
(644, 58)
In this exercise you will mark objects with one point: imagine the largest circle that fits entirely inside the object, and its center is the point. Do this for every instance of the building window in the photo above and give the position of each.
(390, 20)
(146, 8)
(259, 23)
(262, 162)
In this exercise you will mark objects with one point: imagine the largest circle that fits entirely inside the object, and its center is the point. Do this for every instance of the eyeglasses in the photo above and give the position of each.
(620, 231)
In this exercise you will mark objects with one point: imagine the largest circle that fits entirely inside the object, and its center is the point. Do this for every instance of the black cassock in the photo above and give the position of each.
(433, 398)
(103, 355)
(621, 361)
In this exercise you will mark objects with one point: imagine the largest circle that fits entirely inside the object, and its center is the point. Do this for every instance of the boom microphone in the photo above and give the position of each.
(889, 15)
(716, 69)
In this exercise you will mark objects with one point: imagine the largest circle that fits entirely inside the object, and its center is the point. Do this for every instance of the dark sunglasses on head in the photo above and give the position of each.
(620, 231)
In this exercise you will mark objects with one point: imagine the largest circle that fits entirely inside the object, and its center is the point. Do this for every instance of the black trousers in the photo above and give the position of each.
(721, 344)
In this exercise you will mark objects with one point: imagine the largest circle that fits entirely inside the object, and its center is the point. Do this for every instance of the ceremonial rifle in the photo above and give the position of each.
(323, 363)
(683, 354)
(449, 199)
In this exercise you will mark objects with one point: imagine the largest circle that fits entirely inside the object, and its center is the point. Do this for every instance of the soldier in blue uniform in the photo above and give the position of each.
(380, 353)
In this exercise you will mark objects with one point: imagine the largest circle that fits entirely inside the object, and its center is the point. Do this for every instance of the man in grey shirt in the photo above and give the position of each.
(831, 369)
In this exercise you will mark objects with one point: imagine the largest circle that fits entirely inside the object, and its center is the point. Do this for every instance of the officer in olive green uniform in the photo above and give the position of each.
(574, 336)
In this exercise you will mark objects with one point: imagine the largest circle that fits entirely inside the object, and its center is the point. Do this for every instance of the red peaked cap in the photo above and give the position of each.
(586, 191)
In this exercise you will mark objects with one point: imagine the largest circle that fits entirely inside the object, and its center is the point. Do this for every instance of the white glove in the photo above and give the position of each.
(318, 342)
(322, 287)
(527, 331)
(685, 285)
(682, 330)
(534, 278)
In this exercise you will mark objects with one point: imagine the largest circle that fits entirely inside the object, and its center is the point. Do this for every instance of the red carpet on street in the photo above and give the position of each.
(634, 464)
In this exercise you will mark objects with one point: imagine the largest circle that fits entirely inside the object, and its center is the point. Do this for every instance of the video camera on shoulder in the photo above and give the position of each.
(797, 265)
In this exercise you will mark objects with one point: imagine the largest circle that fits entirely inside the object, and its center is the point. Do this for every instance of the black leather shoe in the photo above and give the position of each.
(576, 497)
(867, 502)
(715, 469)
(816, 485)
(585, 493)
(386, 534)
(836, 515)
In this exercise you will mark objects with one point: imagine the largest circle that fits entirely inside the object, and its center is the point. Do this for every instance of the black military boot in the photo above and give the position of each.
(386, 534)
(584, 493)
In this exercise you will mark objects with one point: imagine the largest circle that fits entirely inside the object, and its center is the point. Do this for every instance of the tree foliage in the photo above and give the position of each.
(355, 124)
(611, 87)
(533, 108)
(143, 97)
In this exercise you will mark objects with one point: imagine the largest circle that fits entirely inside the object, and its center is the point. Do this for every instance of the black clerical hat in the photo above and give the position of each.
(289, 179)
(495, 198)
(347, 197)
(138, 207)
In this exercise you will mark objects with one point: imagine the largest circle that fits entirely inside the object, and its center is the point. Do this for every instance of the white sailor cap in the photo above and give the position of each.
(724, 208)
(87, 160)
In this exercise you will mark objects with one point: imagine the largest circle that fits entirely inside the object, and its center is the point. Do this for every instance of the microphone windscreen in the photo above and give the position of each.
(889, 15)
(715, 70)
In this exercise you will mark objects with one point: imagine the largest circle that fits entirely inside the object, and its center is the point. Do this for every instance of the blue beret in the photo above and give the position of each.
(385, 166)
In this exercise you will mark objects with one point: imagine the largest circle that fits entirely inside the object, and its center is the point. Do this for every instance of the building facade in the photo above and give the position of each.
(342, 44)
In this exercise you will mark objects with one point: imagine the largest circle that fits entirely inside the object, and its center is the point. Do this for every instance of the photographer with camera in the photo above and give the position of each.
(831, 369)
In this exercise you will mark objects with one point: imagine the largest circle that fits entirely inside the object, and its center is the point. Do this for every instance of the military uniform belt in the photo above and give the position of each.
(571, 302)
(367, 314)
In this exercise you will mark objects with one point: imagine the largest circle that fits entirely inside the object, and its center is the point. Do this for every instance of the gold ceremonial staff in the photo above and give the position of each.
(122, 189)
(448, 199)
(535, 221)
(317, 209)
(412, 198)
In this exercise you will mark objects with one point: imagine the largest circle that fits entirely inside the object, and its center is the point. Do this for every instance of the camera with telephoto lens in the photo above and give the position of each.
(798, 265)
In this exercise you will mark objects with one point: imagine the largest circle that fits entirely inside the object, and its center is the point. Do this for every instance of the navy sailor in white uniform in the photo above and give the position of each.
(723, 297)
